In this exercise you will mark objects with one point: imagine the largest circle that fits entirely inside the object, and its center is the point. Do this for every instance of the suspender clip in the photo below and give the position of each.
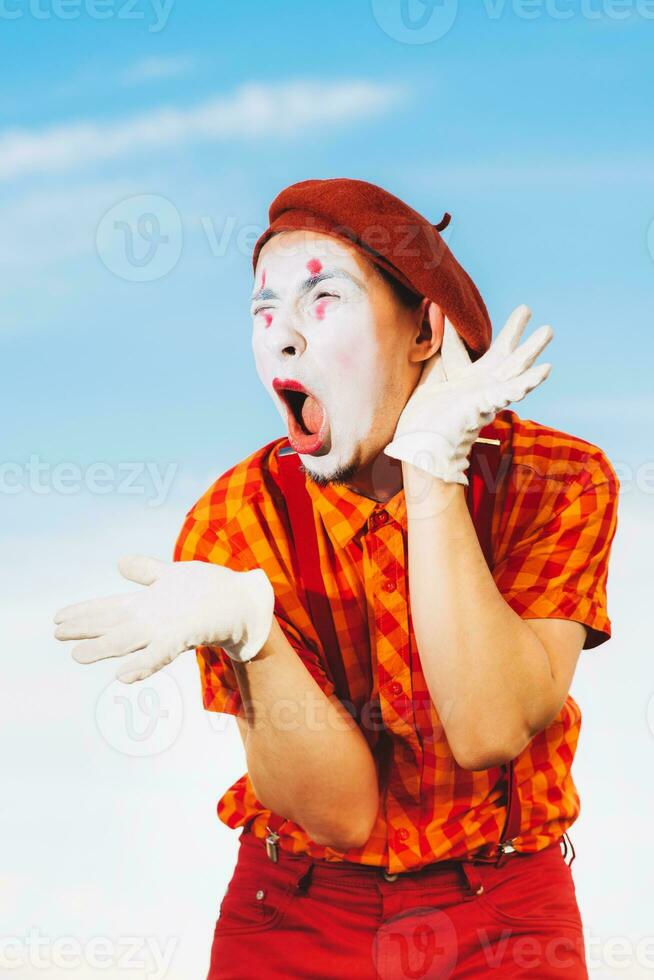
(271, 845)
(505, 848)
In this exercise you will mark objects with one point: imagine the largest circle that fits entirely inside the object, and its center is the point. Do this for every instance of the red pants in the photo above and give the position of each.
(312, 920)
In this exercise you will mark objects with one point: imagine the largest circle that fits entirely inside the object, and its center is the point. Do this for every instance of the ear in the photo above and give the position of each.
(430, 329)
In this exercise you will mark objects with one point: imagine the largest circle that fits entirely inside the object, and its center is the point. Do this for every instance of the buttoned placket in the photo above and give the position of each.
(395, 694)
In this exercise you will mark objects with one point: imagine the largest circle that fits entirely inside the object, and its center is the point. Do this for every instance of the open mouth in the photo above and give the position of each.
(308, 425)
(295, 401)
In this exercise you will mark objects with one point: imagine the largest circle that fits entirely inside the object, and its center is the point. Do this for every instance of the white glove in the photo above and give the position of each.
(456, 397)
(187, 604)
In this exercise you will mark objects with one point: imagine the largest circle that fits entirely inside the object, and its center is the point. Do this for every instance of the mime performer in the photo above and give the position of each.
(391, 599)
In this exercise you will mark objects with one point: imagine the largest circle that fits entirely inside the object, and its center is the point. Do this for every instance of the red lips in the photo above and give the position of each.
(290, 384)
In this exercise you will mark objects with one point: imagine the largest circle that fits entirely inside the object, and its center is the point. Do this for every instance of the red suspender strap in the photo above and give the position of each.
(304, 545)
(483, 477)
(303, 530)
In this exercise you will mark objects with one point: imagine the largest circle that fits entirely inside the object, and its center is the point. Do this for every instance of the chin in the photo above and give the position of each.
(330, 469)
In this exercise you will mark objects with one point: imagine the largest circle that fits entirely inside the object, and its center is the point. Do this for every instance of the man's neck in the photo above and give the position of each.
(379, 480)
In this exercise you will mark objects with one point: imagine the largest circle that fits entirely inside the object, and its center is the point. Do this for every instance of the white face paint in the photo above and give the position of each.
(322, 317)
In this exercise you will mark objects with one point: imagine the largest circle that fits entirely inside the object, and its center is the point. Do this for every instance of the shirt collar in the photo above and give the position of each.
(346, 513)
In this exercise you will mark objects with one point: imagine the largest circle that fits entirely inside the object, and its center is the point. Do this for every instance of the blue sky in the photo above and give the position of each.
(531, 127)
(534, 133)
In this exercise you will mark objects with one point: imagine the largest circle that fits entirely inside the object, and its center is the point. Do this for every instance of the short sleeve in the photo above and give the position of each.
(201, 541)
(559, 569)
(220, 690)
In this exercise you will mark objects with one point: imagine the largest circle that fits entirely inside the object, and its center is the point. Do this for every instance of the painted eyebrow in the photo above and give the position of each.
(309, 283)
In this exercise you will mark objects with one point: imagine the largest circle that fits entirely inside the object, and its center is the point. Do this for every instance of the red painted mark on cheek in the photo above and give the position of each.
(320, 309)
(314, 266)
(267, 317)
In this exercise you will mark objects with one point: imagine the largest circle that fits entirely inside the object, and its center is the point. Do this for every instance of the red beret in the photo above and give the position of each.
(394, 236)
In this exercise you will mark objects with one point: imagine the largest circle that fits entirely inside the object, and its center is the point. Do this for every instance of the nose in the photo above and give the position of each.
(283, 336)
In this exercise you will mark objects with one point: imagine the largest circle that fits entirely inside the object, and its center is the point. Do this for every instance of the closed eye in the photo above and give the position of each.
(321, 295)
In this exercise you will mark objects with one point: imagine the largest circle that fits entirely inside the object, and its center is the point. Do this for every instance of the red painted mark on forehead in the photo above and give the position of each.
(263, 279)
(314, 266)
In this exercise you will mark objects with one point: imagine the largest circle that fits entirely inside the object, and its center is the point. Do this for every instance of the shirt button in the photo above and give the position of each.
(395, 688)
(260, 895)
(389, 585)
(377, 518)
(389, 877)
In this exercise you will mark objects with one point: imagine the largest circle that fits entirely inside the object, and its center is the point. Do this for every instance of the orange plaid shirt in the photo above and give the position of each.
(553, 523)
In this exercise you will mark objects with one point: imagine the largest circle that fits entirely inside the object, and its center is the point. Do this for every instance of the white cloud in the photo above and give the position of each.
(252, 111)
(154, 69)
(31, 227)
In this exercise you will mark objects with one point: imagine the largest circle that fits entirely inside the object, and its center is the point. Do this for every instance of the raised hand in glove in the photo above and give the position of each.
(456, 397)
(185, 605)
